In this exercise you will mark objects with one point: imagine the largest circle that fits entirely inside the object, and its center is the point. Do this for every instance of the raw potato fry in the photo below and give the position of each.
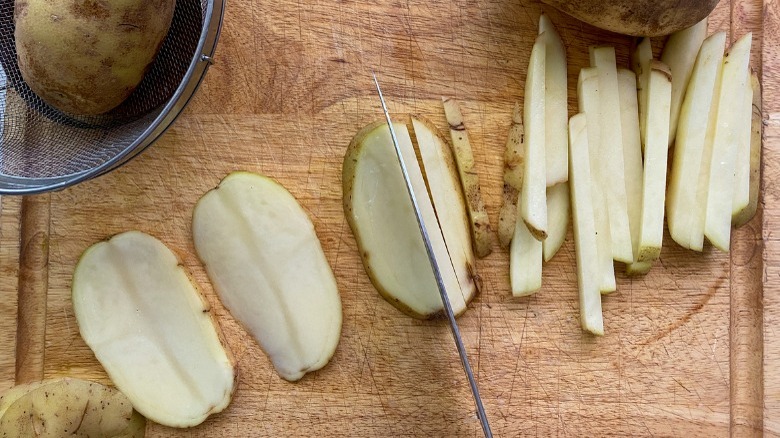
(70, 407)
(557, 218)
(610, 147)
(152, 331)
(533, 202)
(380, 213)
(682, 211)
(556, 121)
(525, 262)
(444, 185)
(641, 55)
(464, 158)
(679, 55)
(513, 179)
(632, 151)
(745, 215)
(651, 230)
(589, 275)
(717, 223)
(267, 266)
(741, 197)
(587, 95)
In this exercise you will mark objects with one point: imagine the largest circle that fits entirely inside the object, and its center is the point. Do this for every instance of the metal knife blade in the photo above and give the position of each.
(437, 273)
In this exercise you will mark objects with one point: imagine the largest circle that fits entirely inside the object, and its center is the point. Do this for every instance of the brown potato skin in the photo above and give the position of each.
(637, 17)
(86, 57)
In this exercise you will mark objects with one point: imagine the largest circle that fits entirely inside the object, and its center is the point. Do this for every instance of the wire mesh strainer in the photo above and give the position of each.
(43, 149)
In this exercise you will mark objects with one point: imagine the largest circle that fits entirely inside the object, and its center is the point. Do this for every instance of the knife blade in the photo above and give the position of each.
(437, 273)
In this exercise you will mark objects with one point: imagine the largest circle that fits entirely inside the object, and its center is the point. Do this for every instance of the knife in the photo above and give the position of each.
(464, 360)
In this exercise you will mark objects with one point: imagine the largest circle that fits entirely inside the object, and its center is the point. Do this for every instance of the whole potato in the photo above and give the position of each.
(87, 56)
(637, 17)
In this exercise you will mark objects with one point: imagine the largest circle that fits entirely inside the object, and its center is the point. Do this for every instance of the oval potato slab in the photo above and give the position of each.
(267, 265)
(152, 331)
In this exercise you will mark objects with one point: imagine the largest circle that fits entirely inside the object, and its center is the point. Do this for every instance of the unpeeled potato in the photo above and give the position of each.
(637, 17)
(87, 56)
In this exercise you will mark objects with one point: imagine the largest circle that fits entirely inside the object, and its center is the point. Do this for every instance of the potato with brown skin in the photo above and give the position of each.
(87, 56)
(637, 17)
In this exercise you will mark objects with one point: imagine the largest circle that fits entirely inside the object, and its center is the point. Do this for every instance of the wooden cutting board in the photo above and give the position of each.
(692, 349)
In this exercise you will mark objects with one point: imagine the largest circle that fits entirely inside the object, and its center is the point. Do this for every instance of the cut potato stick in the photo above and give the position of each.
(587, 95)
(464, 158)
(717, 223)
(533, 203)
(679, 55)
(659, 98)
(632, 150)
(741, 197)
(525, 262)
(742, 217)
(641, 55)
(557, 218)
(612, 178)
(513, 179)
(589, 275)
(556, 122)
(682, 211)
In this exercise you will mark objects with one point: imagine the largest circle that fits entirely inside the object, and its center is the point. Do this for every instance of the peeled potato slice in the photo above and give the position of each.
(380, 213)
(267, 265)
(641, 55)
(151, 330)
(556, 105)
(557, 218)
(533, 199)
(743, 216)
(69, 407)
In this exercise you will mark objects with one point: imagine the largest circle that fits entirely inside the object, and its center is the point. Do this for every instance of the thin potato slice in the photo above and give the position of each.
(589, 275)
(741, 197)
(717, 223)
(380, 213)
(464, 158)
(632, 151)
(587, 92)
(557, 218)
(610, 148)
(533, 202)
(513, 179)
(267, 265)
(641, 55)
(745, 215)
(525, 262)
(651, 230)
(556, 105)
(682, 211)
(152, 331)
(70, 407)
(679, 55)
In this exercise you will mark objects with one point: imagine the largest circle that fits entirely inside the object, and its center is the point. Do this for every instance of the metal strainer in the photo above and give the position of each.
(43, 149)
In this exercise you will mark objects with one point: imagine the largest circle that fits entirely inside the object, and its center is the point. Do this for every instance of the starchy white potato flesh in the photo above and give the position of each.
(557, 218)
(679, 55)
(525, 262)
(533, 202)
(589, 275)
(741, 197)
(266, 263)
(556, 105)
(152, 331)
(743, 216)
(513, 178)
(444, 185)
(69, 407)
(720, 194)
(587, 96)
(610, 149)
(381, 216)
(641, 55)
(479, 223)
(632, 151)
(651, 231)
(682, 205)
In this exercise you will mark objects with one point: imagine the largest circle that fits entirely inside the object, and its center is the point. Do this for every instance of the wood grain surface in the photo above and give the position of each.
(691, 349)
